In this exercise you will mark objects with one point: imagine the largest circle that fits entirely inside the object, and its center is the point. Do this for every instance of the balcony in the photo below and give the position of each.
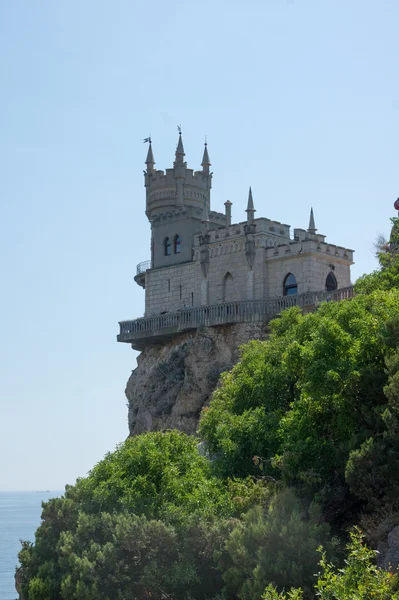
(159, 328)
(141, 268)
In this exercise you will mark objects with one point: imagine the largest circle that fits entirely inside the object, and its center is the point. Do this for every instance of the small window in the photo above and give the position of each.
(290, 285)
(168, 285)
(331, 282)
(181, 290)
(176, 244)
(166, 246)
(192, 298)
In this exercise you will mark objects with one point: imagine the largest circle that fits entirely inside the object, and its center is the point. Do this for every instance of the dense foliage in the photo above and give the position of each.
(359, 579)
(307, 400)
(301, 442)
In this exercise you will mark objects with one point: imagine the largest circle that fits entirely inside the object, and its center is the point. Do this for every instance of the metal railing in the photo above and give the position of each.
(143, 266)
(228, 312)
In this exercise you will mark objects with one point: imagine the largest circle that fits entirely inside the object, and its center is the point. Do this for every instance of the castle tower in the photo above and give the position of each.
(174, 206)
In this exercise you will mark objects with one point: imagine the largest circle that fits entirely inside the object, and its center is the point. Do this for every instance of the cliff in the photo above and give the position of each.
(174, 381)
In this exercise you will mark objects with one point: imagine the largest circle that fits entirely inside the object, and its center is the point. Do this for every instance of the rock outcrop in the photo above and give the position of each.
(388, 551)
(174, 381)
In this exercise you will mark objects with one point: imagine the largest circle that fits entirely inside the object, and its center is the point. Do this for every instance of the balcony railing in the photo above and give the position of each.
(157, 328)
(143, 266)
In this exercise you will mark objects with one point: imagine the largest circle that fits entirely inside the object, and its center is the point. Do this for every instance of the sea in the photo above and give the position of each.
(19, 518)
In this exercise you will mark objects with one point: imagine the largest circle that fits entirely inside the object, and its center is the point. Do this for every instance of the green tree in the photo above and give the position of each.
(387, 276)
(298, 404)
(359, 579)
(146, 520)
(277, 544)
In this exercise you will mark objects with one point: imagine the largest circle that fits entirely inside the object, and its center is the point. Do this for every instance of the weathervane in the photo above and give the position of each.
(147, 140)
(179, 129)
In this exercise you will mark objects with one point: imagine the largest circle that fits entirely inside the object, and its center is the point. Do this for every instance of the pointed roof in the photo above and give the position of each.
(150, 157)
(250, 205)
(312, 226)
(205, 159)
(180, 148)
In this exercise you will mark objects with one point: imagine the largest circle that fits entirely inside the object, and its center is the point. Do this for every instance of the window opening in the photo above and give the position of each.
(168, 285)
(166, 246)
(331, 282)
(177, 243)
(192, 298)
(180, 292)
(290, 287)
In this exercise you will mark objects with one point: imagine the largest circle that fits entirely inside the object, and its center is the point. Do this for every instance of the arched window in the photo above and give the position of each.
(331, 282)
(290, 287)
(228, 288)
(166, 246)
(176, 244)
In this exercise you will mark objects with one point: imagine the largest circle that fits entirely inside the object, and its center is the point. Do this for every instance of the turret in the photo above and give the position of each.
(228, 205)
(150, 162)
(180, 154)
(180, 171)
(250, 210)
(177, 187)
(206, 163)
(312, 227)
(175, 203)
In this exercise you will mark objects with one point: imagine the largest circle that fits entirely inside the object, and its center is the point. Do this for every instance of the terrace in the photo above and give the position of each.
(158, 329)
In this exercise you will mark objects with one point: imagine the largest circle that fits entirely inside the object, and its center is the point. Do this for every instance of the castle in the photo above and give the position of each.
(204, 270)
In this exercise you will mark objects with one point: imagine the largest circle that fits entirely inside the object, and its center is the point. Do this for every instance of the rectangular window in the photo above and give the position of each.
(192, 298)
(168, 285)
(180, 292)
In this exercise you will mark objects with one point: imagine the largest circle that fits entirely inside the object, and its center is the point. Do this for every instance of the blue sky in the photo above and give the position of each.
(299, 99)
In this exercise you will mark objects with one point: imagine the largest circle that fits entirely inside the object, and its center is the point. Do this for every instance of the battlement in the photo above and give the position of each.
(162, 179)
(177, 186)
(274, 230)
(305, 246)
(179, 212)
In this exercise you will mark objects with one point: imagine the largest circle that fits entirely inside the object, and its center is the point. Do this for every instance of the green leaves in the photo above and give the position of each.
(142, 523)
(359, 579)
(278, 544)
(159, 475)
(306, 398)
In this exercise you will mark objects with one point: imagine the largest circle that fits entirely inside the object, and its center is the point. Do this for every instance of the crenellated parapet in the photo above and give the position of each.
(314, 246)
(178, 186)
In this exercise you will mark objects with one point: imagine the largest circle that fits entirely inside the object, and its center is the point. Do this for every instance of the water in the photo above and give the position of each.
(19, 518)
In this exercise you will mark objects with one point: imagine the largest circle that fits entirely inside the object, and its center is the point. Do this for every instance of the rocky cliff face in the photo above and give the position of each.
(174, 381)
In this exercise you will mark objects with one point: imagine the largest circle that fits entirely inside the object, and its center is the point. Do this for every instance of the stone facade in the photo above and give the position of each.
(199, 258)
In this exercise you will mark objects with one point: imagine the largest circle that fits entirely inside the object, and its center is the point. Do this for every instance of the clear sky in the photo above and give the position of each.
(299, 99)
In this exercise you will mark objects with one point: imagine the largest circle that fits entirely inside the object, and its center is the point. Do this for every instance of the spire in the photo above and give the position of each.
(312, 227)
(180, 151)
(150, 162)
(250, 210)
(206, 163)
(250, 205)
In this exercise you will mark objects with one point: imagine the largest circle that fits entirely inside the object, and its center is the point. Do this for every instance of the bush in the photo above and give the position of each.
(277, 544)
(359, 579)
(145, 520)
